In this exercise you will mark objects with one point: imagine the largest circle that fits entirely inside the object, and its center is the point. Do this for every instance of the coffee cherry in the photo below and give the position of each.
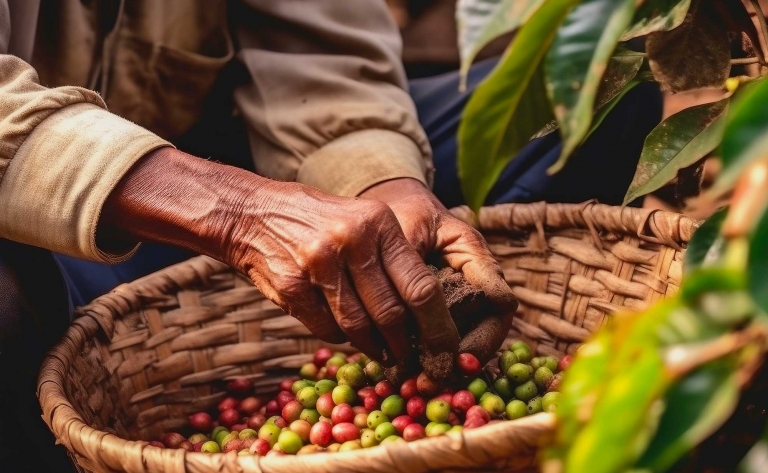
(365, 391)
(259, 447)
(401, 422)
(301, 427)
(550, 362)
(534, 405)
(229, 418)
(437, 428)
(337, 361)
(330, 372)
(478, 412)
(413, 432)
(376, 418)
(416, 407)
(493, 404)
(285, 385)
(325, 405)
(351, 375)
(269, 433)
(250, 406)
(462, 401)
(368, 438)
(408, 389)
(549, 401)
(516, 409)
(374, 372)
(384, 430)
(310, 415)
(300, 384)
(469, 364)
(564, 363)
(361, 420)
(453, 419)
(307, 397)
(333, 448)
(345, 432)
(384, 389)
(555, 382)
(542, 377)
(506, 360)
(173, 439)
(309, 371)
(228, 403)
(292, 410)
(197, 438)
(518, 344)
(526, 391)
(392, 439)
(247, 434)
(503, 387)
(426, 385)
(290, 442)
(239, 427)
(523, 354)
(360, 410)
(537, 362)
(477, 387)
(324, 386)
(210, 447)
(519, 373)
(216, 431)
(321, 357)
(256, 421)
(342, 413)
(272, 408)
(343, 395)
(393, 406)
(240, 386)
(474, 422)
(220, 436)
(350, 445)
(438, 411)
(320, 434)
(283, 398)
(201, 421)
(278, 421)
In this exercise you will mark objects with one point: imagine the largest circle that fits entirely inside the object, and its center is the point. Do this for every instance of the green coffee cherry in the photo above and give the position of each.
(537, 362)
(438, 410)
(343, 395)
(270, 433)
(300, 384)
(542, 377)
(526, 391)
(307, 397)
(549, 401)
(384, 430)
(310, 415)
(336, 361)
(392, 439)
(289, 442)
(534, 405)
(247, 434)
(393, 406)
(456, 428)
(506, 360)
(551, 363)
(436, 428)
(519, 373)
(493, 404)
(210, 447)
(503, 387)
(368, 438)
(351, 375)
(374, 372)
(523, 354)
(376, 418)
(217, 430)
(350, 445)
(516, 409)
(518, 344)
(477, 387)
(324, 386)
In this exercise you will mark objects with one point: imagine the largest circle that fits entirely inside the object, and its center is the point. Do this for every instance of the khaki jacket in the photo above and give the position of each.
(321, 90)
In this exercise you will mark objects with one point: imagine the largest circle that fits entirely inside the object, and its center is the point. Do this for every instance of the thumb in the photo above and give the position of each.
(486, 275)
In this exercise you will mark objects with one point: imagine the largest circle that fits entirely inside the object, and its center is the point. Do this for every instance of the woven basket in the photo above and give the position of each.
(138, 360)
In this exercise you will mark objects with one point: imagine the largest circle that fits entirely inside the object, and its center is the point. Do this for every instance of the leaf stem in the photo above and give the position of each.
(763, 28)
(746, 60)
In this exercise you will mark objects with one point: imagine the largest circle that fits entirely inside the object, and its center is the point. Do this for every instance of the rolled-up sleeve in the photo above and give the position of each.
(61, 154)
(327, 101)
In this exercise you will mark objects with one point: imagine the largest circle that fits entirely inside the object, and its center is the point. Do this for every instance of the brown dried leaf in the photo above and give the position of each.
(696, 54)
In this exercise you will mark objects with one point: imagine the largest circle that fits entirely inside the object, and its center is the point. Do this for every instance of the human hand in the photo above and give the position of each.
(431, 229)
(341, 266)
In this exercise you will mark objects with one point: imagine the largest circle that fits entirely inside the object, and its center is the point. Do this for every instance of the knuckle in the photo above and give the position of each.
(391, 314)
(421, 289)
(290, 287)
(353, 323)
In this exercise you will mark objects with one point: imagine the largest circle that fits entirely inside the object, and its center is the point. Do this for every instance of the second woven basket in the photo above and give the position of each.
(138, 360)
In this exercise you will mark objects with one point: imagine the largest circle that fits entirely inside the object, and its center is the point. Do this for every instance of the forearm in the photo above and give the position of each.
(174, 198)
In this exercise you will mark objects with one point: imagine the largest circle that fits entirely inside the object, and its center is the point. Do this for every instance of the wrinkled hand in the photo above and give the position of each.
(431, 229)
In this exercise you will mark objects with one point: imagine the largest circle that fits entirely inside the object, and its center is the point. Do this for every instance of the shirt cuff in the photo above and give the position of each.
(356, 161)
(53, 191)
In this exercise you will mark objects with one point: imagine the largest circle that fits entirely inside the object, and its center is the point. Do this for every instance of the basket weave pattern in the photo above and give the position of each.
(138, 360)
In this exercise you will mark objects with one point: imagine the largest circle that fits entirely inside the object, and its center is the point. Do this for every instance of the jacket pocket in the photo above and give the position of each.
(158, 87)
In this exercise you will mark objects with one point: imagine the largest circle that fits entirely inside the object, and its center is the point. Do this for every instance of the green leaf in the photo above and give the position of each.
(576, 62)
(657, 15)
(707, 245)
(676, 143)
(508, 107)
(695, 407)
(757, 264)
(481, 21)
(746, 134)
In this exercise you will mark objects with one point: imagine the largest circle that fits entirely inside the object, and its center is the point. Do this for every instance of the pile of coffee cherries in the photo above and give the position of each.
(342, 403)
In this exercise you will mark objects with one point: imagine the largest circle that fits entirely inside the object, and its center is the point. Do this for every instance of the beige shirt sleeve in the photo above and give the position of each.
(327, 103)
(61, 154)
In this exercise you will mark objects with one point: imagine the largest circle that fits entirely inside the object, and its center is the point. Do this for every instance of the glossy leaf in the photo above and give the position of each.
(508, 107)
(746, 134)
(481, 21)
(695, 407)
(677, 142)
(707, 245)
(657, 15)
(576, 62)
(757, 264)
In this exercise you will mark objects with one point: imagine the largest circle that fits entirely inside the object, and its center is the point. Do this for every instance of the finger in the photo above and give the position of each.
(351, 316)
(487, 337)
(421, 292)
(384, 305)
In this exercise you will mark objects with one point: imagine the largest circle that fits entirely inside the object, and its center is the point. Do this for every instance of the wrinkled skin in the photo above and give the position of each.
(341, 266)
